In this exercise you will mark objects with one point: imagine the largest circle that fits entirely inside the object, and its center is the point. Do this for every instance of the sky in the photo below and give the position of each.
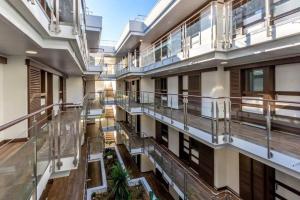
(117, 13)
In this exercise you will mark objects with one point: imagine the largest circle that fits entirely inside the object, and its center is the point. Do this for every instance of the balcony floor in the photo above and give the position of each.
(282, 142)
(71, 187)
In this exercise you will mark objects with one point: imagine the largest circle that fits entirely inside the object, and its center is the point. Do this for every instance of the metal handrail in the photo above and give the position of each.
(187, 171)
(20, 119)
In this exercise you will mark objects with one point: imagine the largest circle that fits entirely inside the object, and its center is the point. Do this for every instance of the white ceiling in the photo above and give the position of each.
(13, 42)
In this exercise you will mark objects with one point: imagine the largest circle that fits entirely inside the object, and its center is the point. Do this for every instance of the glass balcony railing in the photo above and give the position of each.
(178, 175)
(243, 23)
(133, 141)
(52, 144)
(270, 124)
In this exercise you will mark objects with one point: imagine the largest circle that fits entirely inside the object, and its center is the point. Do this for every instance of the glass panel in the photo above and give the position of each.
(206, 27)
(246, 13)
(176, 42)
(157, 52)
(16, 173)
(66, 11)
(280, 7)
(256, 80)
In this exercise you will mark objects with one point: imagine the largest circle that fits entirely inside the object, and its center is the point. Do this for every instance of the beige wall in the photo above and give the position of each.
(1, 93)
(74, 87)
(55, 85)
(148, 125)
(173, 141)
(227, 168)
(13, 100)
(146, 164)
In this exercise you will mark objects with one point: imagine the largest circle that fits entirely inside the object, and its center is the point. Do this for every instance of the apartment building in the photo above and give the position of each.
(212, 88)
(200, 100)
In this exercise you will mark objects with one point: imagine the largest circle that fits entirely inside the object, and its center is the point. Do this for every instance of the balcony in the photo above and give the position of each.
(211, 36)
(175, 172)
(52, 25)
(51, 147)
(264, 128)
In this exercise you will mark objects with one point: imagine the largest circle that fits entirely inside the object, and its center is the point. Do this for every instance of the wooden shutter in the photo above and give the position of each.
(34, 92)
(235, 89)
(194, 88)
(257, 180)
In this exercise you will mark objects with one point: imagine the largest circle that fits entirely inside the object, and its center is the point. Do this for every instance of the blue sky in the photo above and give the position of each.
(116, 14)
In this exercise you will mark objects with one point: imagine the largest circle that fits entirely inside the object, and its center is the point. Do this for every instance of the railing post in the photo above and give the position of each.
(52, 139)
(217, 123)
(172, 109)
(185, 118)
(268, 117)
(212, 122)
(57, 7)
(185, 186)
(35, 133)
(268, 18)
(73, 132)
(59, 163)
(148, 101)
(154, 109)
(75, 30)
(225, 121)
(230, 139)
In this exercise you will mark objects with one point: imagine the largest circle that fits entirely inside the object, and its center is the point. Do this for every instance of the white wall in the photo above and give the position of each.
(1, 93)
(146, 164)
(292, 83)
(148, 126)
(290, 181)
(226, 168)
(55, 86)
(14, 98)
(102, 85)
(214, 84)
(147, 85)
(173, 141)
(74, 86)
(173, 89)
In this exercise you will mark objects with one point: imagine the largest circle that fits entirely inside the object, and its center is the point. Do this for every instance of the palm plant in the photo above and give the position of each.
(120, 188)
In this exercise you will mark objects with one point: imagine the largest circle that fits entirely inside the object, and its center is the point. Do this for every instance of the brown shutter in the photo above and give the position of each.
(34, 91)
(235, 88)
(194, 88)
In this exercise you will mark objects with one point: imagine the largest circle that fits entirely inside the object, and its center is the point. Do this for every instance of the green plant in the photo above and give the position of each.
(120, 188)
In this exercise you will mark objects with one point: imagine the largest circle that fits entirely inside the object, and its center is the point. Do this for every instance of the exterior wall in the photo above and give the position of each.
(147, 85)
(227, 168)
(74, 89)
(173, 89)
(102, 85)
(14, 97)
(287, 180)
(1, 93)
(214, 84)
(120, 114)
(146, 164)
(148, 126)
(290, 84)
(55, 86)
(173, 141)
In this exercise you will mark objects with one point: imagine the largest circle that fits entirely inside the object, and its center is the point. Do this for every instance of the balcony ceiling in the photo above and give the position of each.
(172, 17)
(93, 31)
(14, 42)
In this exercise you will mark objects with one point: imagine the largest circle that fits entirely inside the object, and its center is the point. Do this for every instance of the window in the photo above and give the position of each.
(256, 80)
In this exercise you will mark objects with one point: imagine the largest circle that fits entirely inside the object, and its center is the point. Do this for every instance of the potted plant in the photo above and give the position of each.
(120, 188)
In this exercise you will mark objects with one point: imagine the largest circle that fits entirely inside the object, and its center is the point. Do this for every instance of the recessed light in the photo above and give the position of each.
(224, 63)
(31, 52)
